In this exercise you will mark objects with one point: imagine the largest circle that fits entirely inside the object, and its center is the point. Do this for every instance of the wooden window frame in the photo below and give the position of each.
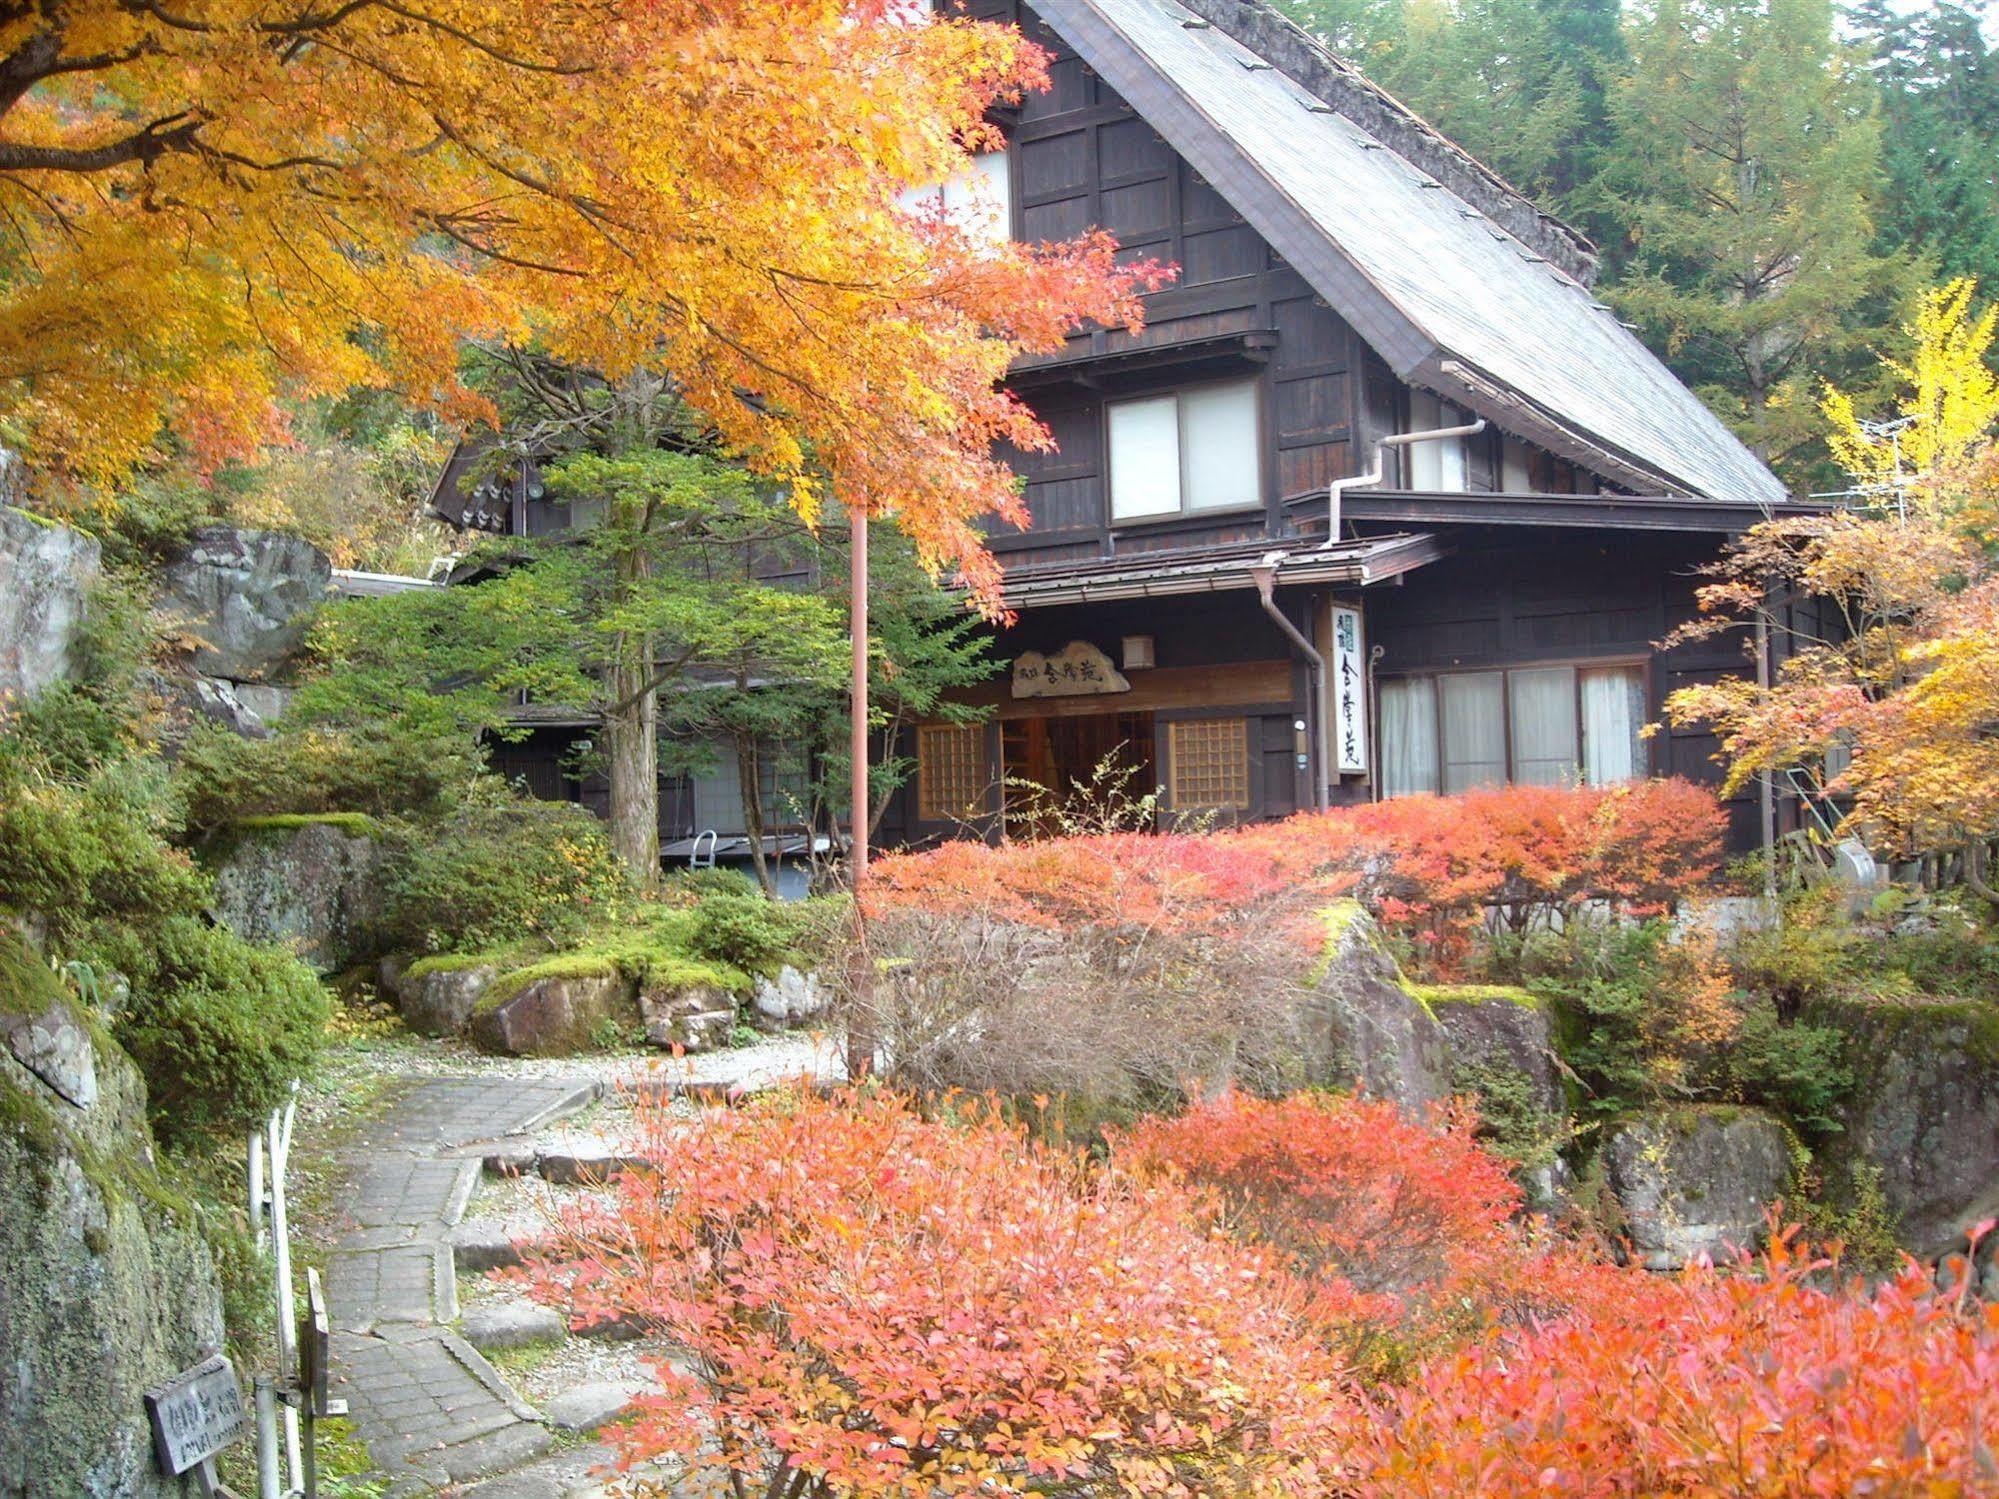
(1176, 754)
(1576, 664)
(966, 757)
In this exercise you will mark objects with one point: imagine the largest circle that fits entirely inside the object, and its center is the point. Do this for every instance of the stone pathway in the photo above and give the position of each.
(432, 1410)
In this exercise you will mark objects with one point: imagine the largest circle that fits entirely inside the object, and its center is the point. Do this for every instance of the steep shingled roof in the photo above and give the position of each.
(1455, 300)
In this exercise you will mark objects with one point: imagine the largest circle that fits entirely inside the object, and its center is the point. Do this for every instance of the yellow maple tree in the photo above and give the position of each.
(210, 205)
(1948, 404)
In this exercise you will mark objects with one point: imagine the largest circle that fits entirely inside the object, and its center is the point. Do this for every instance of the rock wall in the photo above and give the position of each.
(1926, 1111)
(106, 1284)
(46, 573)
(310, 885)
(243, 599)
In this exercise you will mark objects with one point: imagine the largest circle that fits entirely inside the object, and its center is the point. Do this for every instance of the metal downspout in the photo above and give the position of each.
(1265, 576)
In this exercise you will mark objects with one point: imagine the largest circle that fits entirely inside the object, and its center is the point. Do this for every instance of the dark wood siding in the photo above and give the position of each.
(1082, 159)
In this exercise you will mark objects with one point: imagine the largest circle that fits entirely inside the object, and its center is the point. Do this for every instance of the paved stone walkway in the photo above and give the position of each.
(432, 1410)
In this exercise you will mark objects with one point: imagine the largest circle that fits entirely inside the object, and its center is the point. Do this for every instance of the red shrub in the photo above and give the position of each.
(1431, 866)
(882, 1304)
(1755, 1383)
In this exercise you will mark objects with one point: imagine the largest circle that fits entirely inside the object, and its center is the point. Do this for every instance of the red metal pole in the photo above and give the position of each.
(857, 624)
(860, 1028)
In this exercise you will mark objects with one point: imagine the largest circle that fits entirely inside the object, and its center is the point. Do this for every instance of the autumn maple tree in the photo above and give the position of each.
(210, 205)
(1884, 714)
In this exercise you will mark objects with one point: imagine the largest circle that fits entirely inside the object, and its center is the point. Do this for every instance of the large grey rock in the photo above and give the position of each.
(106, 1286)
(46, 573)
(54, 1045)
(554, 1017)
(313, 887)
(1695, 1182)
(1357, 1025)
(1505, 1029)
(693, 1019)
(244, 598)
(585, 1407)
(493, 1243)
(440, 1001)
(794, 997)
(1925, 1111)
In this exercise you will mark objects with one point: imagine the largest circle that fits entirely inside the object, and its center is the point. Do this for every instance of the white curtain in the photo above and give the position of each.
(1408, 735)
(1543, 702)
(1474, 717)
(1613, 715)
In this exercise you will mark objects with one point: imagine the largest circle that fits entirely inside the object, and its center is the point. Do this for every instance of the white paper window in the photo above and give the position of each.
(1474, 722)
(1542, 703)
(1145, 457)
(1218, 446)
(979, 198)
(1190, 451)
(1514, 475)
(1613, 706)
(1435, 467)
(1408, 735)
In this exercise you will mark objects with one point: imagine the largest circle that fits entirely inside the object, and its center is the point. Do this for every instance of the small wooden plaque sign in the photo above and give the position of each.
(196, 1414)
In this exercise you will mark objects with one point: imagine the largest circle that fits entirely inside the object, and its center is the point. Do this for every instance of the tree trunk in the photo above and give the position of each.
(749, 776)
(631, 743)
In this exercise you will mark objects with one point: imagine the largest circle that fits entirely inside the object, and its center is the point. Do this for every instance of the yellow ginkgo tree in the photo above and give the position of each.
(1887, 712)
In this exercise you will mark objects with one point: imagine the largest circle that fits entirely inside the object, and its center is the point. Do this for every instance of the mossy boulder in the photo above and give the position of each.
(1358, 1025)
(438, 996)
(308, 883)
(107, 1285)
(555, 1009)
(1925, 1110)
(1492, 1026)
(1696, 1181)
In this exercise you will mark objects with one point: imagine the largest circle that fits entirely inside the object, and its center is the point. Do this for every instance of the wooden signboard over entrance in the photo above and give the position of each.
(196, 1414)
(1079, 669)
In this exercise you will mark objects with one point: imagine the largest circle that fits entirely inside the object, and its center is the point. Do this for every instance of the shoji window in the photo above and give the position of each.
(1435, 467)
(1207, 764)
(1185, 452)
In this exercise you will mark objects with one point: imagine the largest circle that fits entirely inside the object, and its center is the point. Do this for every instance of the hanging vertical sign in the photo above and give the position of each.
(1347, 683)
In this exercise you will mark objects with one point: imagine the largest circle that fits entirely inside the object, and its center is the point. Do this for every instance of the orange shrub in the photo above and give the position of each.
(1408, 1226)
(881, 1304)
(1754, 1383)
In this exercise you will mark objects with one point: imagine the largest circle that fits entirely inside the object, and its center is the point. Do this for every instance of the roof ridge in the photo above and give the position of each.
(1333, 80)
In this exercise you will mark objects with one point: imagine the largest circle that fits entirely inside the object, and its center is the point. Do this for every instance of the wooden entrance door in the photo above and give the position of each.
(1064, 768)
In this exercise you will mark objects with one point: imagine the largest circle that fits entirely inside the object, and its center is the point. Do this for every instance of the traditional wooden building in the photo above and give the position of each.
(1246, 576)
(1382, 500)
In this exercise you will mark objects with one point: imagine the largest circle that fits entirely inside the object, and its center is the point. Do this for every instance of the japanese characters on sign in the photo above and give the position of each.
(196, 1414)
(1346, 673)
(1079, 669)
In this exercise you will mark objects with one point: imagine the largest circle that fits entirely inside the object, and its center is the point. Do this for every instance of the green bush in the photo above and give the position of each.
(504, 875)
(379, 769)
(1602, 980)
(744, 928)
(1795, 1069)
(219, 1026)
